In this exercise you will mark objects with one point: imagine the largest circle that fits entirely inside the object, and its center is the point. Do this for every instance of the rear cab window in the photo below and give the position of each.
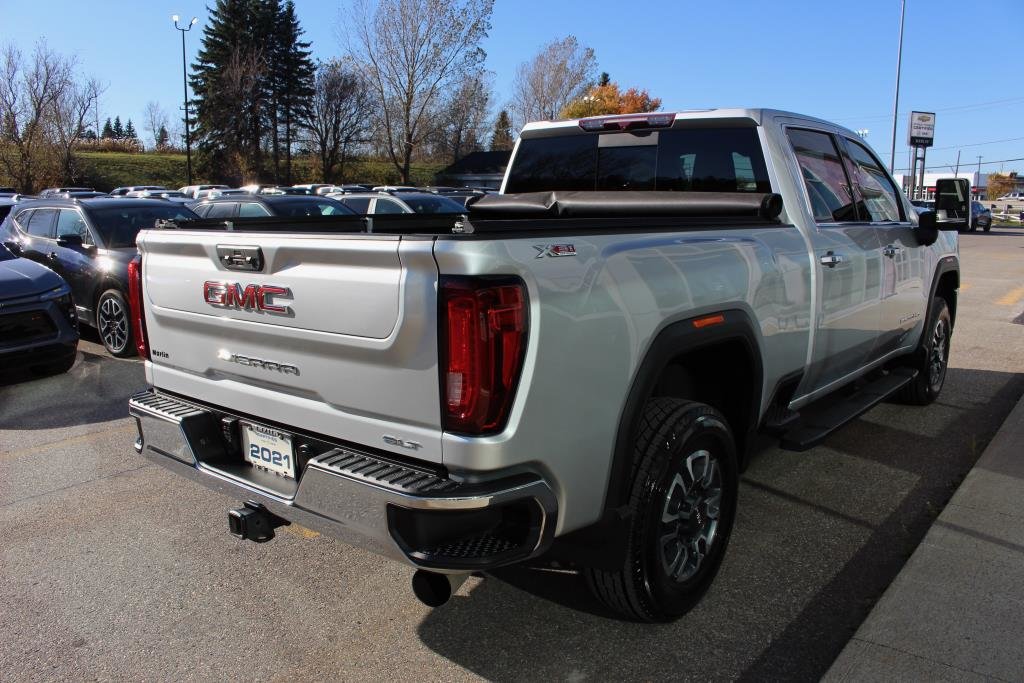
(706, 159)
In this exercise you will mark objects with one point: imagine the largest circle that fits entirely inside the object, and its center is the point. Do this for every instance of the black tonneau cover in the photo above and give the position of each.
(532, 211)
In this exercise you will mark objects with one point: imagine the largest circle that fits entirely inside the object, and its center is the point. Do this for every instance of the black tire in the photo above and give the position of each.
(931, 360)
(661, 578)
(987, 227)
(114, 324)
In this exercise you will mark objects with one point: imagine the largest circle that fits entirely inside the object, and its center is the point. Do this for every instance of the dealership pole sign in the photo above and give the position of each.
(922, 128)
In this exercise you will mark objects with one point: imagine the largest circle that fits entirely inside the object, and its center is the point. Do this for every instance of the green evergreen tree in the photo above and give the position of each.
(605, 79)
(162, 138)
(118, 129)
(502, 137)
(108, 130)
(253, 80)
(129, 131)
(292, 78)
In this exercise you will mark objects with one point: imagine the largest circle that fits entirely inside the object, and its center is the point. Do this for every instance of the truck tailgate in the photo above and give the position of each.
(341, 340)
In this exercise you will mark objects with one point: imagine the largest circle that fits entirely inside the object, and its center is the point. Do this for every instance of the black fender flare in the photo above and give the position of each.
(601, 544)
(946, 264)
(677, 338)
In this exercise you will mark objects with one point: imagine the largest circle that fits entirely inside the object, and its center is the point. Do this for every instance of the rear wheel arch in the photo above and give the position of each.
(689, 362)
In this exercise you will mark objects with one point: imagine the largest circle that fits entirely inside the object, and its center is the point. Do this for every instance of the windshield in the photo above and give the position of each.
(693, 160)
(433, 205)
(118, 227)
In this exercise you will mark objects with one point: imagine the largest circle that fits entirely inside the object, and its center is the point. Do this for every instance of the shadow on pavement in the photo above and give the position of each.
(95, 389)
(800, 575)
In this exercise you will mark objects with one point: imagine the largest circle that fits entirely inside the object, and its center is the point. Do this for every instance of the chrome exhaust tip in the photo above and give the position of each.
(434, 589)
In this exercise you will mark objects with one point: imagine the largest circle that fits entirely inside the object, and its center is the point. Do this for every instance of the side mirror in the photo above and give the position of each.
(953, 198)
(71, 240)
(927, 228)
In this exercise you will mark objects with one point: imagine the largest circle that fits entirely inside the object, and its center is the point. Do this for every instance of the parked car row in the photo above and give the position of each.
(74, 245)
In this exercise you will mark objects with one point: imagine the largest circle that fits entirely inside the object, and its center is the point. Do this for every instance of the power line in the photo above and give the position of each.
(979, 163)
(977, 144)
(962, 107)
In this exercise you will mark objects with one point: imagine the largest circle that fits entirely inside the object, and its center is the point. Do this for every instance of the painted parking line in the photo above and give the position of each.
(1012, 297)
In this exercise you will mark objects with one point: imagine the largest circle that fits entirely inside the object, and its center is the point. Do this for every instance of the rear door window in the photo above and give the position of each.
(221, 210)
(41, 223)
(357, 204)
(387, 206)
(824, 176)
(252, 210)
(717, 159)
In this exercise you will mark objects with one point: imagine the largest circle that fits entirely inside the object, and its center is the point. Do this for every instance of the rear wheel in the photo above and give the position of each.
(932, 358)
(113, 322)
(682, 504)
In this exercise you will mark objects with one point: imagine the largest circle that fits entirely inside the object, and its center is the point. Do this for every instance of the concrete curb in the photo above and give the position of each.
(956, 609)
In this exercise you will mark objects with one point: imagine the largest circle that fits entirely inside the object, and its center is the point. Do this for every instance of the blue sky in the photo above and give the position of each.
(836, 60)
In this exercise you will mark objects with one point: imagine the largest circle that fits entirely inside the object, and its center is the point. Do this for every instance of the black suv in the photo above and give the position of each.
(90, 243)
(38, 323)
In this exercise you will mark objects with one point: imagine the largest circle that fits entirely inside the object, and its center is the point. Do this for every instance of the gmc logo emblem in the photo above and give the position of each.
(252, 297)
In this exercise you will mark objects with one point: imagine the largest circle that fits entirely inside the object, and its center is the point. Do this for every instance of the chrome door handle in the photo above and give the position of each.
(832, 259)
(891, 250)
(52, 256)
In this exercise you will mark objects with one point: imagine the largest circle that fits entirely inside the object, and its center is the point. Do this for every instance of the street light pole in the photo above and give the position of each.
(184, 82)
(896, 99)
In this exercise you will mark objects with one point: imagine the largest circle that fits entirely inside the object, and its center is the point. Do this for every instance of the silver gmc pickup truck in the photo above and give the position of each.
(573, 372)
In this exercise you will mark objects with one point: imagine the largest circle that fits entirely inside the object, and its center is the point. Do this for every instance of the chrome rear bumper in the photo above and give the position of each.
(398, 510)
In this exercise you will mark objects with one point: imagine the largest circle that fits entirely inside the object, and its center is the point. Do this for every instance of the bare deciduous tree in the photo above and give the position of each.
(462, 121)
(29, 91)
(339, 115)
(156, 120)
(560, 73)
(66, 121)
(414, 51)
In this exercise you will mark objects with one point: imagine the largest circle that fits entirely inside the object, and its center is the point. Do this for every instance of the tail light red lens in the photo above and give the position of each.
(135, 304)
(484, 329)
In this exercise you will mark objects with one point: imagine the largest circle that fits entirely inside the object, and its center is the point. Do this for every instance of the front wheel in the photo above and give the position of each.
(113, 322)
(932, 358)
(682, 503)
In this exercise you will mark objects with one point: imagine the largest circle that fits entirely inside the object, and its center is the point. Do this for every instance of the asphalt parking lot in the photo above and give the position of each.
(114, 568)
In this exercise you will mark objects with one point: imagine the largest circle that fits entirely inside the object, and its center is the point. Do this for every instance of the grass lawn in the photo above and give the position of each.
(107, 170)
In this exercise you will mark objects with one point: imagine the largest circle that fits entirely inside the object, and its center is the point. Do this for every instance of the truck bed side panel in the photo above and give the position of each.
(592, 318)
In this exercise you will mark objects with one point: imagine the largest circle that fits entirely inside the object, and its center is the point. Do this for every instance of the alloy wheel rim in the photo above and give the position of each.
(939, 352)
(113, 324)
(690, 516)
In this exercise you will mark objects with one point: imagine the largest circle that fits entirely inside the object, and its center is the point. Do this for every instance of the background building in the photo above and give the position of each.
(979, 182)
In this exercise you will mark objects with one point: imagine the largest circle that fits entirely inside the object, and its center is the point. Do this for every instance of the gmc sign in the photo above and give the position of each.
(252, 297)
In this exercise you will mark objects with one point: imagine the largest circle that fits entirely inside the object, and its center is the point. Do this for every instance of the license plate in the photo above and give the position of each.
(268, 449)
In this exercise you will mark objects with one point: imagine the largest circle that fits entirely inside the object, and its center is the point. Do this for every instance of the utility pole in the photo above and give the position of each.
(956, 173)
(896, 98)
(184, 82)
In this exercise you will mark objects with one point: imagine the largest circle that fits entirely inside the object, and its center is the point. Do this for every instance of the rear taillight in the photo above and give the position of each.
(484, 325)
(135, 304)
